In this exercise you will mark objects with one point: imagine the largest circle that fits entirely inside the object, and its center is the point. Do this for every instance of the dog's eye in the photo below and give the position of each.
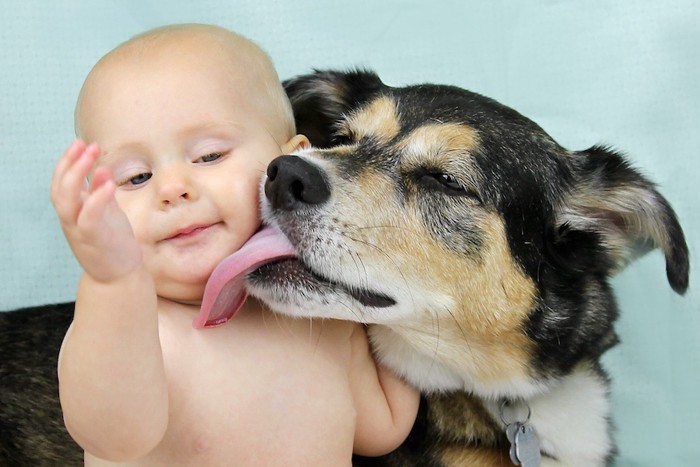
(342, 136)
(340, 139)
(447, 184)
(449, 181)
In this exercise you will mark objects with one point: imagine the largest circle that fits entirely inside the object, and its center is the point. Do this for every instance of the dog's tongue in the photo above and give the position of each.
(225, 291)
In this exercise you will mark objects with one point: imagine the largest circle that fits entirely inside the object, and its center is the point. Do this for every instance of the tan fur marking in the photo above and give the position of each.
(439, 139)
(445, 146)
(463, 418)
(379, 120)
(495, 297)
(461, 456)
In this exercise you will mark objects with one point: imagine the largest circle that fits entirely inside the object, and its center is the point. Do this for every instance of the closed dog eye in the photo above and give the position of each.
(446, 183)
(341, 139)
(342, 135)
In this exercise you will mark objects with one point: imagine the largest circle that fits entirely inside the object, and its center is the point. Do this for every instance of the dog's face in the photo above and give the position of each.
(480, 246)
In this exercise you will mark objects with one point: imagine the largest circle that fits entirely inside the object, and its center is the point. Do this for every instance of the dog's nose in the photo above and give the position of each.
(293, 183)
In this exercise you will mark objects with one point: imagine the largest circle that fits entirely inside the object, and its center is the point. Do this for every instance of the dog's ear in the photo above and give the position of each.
(322, 98)
(614, 207)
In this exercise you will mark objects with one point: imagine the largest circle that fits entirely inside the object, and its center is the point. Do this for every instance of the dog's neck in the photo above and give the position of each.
(564, 410)
(426, 362)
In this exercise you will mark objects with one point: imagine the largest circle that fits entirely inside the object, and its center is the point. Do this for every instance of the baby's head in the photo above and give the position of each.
(172, 49)
(187, 118)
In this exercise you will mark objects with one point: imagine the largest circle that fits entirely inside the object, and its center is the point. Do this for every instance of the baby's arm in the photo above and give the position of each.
(386, 405)
(111, 377)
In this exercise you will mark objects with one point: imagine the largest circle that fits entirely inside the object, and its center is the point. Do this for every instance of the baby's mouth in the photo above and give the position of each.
(188, 232)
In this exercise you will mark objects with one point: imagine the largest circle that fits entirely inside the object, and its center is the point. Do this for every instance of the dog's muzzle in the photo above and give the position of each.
(296, 186)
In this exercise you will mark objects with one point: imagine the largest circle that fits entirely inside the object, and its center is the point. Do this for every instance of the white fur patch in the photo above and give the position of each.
(571, 420)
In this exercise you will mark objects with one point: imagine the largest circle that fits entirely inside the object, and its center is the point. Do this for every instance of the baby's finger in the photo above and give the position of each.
(66, 193)
(67, 159)
(99, 177)
(95, 206)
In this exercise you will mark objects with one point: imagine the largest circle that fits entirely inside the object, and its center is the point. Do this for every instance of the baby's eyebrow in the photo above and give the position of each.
(218, 129)
(125, 149)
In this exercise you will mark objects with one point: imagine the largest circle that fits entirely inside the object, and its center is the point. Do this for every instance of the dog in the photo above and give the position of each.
(477, 250)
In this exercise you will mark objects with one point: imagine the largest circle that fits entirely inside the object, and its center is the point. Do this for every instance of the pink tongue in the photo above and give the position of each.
(225, 291)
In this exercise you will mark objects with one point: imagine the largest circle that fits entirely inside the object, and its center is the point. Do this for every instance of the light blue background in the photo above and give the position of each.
(623, 73)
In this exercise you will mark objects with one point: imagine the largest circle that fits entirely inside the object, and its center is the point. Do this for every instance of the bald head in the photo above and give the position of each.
(250, 69)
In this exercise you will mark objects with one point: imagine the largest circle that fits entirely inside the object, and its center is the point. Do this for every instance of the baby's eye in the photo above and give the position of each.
(210, 157)
(138, 179)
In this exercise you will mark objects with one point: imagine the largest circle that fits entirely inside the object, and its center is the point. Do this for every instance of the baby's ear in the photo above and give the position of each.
(625, 211)
(322, 98)
(297, 142)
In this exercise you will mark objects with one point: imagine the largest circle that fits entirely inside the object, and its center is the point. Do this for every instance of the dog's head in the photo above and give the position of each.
(481, 246)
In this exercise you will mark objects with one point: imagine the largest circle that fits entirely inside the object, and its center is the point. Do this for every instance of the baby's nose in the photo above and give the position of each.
(175, 198)
(175, 187)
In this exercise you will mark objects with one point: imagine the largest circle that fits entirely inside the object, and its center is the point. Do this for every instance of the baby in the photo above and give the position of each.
(182, 122)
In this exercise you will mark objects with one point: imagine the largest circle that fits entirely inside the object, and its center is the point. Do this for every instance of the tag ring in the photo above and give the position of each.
(501, 413)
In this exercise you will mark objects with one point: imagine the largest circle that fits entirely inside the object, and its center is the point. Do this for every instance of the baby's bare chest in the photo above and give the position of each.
(261, 389)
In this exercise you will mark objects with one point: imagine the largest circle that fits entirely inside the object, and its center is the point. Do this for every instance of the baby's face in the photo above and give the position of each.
(188, 148)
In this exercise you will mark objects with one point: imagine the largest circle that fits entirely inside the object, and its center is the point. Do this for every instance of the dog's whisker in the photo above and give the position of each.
(352, 310)
(359, 265)
(389, 227)
(375, 247)
(387, 256)
(465, 337)
(436, 349)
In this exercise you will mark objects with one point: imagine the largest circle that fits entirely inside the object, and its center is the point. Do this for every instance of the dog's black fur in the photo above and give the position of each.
(31, 424)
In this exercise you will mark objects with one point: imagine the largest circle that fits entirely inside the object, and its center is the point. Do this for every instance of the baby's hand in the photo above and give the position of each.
(96, 228)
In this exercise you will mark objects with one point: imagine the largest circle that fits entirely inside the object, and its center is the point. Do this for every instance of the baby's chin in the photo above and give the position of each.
(187, 302)
(186, 293)
(185, 279)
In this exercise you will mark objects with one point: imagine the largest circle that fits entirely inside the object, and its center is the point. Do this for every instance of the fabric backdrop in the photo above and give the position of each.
(602, 71)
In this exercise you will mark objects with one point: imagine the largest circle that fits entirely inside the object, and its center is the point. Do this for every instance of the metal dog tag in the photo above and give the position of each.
(524, 445)
(511, 431)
